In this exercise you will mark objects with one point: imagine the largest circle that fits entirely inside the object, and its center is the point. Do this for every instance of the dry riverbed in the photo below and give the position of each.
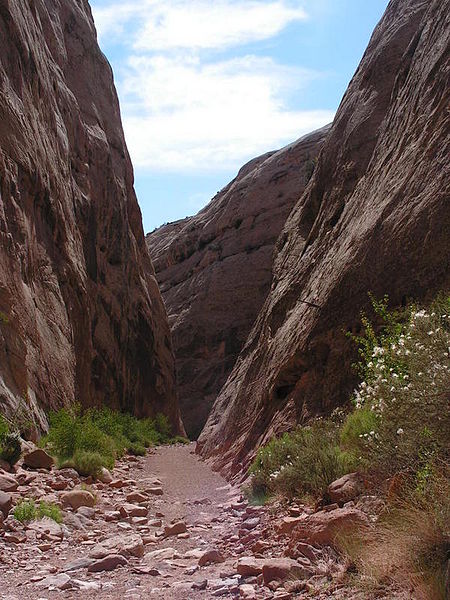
(167, 527)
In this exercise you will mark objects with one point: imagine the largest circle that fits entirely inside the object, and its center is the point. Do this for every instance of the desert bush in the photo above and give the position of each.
(96, 438)
(10, 446)
(26, 510)
(86, 463)
(401, 420)
(301, 463)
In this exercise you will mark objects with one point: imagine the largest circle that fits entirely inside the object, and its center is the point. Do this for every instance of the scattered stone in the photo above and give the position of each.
(108, 563)
(249, 566)
(200, 585)
(211, 556)
(155, 491)
(77, 498)
(5, 503)
(7, 483)
(175, 529)
(324, 527)
(136, 497)
(126, 544)
(133, 510)
(38, 459)
(105, 476)
(79, 563)
(283, 568)
(287, 524)
(59, 582)
(247, 591)
(47, 529)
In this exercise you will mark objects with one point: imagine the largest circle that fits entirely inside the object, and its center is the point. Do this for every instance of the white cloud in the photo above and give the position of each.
(183, 115)
(186, 107)
(164, 25)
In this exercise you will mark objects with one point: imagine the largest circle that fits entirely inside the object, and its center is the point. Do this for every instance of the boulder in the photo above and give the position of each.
(108, 563)
(210, 556)
(38, 459)
(5, 503)
(346, 488)
(248, 566)
(175, 529)
(324, 528)
(105, 476)
(129, 544)
(47, 529)
(77, 498)
(8, 483)
(280, 569)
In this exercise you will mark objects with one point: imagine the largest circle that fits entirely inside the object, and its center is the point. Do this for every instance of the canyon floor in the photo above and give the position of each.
(169, 528)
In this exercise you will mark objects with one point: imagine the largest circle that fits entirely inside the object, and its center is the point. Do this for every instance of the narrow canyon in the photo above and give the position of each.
(176, 415)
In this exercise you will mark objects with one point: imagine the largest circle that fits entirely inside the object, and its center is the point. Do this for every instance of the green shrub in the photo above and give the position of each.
(301, 463)
(10, 448)
(86, 463)
(10, 445)
(96, 438)
(137, 449)
(26, 510)
(50, 510)
(179, 439)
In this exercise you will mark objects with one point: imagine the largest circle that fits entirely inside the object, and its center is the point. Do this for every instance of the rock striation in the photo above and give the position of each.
(81, 317)
(374, 217)
(215, 269)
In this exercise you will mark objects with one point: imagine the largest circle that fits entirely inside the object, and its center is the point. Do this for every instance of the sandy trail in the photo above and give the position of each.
(192, 493)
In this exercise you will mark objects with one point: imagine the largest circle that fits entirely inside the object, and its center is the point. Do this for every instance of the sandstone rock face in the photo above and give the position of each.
(374, 218)
(81, 316)
(215, 269)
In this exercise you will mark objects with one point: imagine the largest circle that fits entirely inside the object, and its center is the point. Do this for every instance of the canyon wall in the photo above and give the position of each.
(81, 317)
(215, 269)
(375, 217)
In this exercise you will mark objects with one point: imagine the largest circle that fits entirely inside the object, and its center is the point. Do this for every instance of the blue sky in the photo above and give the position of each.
(205, 85)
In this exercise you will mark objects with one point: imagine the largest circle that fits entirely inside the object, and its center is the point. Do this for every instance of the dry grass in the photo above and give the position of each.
(410, 545)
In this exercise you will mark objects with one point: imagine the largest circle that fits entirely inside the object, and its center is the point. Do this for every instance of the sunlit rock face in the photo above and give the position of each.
(81, 317)
(375, 217)
(215, 269)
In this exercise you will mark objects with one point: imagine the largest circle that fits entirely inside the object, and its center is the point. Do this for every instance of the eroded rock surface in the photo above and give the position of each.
(215, 269)
(81, 317)
(374, 218)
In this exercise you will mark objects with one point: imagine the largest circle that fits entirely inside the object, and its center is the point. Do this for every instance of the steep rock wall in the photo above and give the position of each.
(81, 317)
(215, 269)
(374, 217)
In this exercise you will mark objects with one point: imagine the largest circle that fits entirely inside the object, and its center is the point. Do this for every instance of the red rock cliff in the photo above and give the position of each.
(81, 317)
(215, 269)
(374, 217)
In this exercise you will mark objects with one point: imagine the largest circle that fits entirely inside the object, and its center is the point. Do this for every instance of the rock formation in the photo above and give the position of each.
(374, 217)
(215, 269)
(81, 317)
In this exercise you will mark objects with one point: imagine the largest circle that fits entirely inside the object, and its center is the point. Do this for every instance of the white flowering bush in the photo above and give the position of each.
(401, 420)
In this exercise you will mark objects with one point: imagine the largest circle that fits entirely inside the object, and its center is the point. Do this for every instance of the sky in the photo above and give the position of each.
(206, 85)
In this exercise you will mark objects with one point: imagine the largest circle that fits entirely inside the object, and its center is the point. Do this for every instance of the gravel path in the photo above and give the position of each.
(192, 493)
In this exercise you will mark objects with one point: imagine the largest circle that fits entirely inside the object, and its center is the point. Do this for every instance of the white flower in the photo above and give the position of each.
(400, 431)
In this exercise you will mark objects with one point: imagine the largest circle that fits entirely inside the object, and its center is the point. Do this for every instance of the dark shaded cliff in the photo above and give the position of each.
(215, 269)
(81, 314)
(374, 217)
